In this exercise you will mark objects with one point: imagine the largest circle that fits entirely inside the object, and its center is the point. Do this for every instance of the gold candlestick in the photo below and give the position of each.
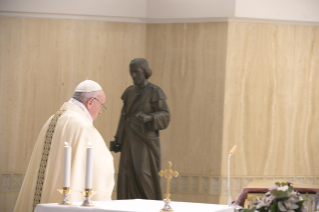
(65, 191)
(88, 193)
(168, 174)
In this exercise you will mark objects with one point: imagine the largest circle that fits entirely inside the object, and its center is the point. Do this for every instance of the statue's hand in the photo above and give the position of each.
(145, 118)
(115, 146)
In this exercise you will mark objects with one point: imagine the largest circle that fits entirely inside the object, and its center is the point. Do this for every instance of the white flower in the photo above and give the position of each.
(263, 202)
(288, 205)
(284, 188)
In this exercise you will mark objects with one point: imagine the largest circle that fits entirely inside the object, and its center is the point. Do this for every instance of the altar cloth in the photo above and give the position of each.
(136, 205)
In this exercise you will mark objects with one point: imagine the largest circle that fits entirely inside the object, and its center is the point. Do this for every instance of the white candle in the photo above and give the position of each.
(67, 165)
(89, 167)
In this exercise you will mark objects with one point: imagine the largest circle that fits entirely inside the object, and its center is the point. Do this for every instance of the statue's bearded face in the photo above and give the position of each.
(137, 75)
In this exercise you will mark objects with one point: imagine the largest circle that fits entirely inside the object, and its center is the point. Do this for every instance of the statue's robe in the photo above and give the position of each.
(75, 128)
(140, 146)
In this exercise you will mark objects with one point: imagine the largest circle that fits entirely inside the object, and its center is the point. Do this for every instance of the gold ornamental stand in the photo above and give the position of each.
(65, 191)
(168, 174)
(88, 193)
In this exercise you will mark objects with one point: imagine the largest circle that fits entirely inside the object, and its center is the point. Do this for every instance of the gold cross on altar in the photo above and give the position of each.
(168, 174)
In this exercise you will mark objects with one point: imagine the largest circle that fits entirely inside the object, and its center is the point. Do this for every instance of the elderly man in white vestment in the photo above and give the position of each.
(73, 123)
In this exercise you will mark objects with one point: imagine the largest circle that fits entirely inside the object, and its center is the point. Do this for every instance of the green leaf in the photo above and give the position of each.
(273, 206)
(299, 204)
(290, 189)
(277, 184)
(283, 184)
(249, 210)
(278, 194)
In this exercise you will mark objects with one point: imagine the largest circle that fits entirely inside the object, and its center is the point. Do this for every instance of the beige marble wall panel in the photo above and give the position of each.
(188, 62)
(271, 100)
(7, 201)
(250, 84)
(42, 61)
(195, 198)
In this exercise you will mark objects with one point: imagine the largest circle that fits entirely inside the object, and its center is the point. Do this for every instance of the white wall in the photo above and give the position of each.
(291, 10)
(164, 11)
(125, 10)
(185, 9)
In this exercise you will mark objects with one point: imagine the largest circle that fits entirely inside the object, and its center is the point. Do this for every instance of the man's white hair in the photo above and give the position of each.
(83, 97)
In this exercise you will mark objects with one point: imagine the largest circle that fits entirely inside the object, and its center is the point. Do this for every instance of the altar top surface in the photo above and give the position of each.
(135, 205)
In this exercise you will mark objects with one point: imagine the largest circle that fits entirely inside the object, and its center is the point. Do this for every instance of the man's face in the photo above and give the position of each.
(137, 75)
(94, 105)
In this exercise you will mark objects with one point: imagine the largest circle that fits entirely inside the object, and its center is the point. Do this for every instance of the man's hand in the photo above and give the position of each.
(145, 118)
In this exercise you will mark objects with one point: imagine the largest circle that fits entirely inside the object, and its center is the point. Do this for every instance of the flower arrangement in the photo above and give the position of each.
(280, 197)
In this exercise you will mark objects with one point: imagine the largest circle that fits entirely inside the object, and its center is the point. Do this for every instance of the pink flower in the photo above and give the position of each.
(296, 199)
(271, 197)
(273, 188)
(303, 208)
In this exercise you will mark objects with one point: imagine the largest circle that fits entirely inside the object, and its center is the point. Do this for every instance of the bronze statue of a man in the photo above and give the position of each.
(144, 113)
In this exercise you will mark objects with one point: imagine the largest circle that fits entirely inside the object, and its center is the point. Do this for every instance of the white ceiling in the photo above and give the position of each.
(167, 11)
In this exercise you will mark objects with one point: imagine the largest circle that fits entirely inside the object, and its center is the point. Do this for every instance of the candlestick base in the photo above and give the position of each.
(65, 191)
(88, 193)
(167, 207)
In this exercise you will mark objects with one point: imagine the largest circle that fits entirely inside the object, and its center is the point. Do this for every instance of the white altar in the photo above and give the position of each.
(135, 205)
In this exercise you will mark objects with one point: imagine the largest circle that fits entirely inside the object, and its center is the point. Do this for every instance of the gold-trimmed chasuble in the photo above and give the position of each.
(45, 157)
(168, 174)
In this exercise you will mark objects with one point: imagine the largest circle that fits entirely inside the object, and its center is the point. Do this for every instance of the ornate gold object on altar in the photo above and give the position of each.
(65, 191)
(168, 174)
(251, 200)
(88, 193)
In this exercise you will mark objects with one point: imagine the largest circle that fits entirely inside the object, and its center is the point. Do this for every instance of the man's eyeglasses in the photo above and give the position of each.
(102, 105)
